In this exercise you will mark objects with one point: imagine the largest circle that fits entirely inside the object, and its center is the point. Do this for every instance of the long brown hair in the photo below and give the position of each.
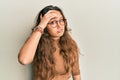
(44, 62)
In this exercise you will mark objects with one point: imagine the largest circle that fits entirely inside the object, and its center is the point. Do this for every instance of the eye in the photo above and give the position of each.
(52, 22)
(61, 20)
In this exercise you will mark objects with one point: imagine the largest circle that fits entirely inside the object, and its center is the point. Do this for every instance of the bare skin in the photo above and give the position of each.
(27, 51)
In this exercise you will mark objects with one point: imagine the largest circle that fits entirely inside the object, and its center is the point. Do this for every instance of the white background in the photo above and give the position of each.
(95, 26)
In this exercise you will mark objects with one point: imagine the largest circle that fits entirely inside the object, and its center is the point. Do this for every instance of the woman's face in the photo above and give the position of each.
(56, 25)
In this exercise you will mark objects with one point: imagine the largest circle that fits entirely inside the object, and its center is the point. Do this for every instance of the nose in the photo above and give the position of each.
(58, 24)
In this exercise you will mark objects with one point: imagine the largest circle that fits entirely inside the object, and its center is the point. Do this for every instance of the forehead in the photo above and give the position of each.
(57, 14)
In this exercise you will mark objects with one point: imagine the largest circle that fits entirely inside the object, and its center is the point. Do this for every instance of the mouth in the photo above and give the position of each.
(59, 31)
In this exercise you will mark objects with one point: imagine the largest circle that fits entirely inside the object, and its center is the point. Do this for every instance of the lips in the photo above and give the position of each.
(60, 31)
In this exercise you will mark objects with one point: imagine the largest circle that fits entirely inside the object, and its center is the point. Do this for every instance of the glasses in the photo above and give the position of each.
(55, 23)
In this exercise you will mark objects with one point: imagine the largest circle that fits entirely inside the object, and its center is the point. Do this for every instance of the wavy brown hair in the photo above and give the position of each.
(44, 62)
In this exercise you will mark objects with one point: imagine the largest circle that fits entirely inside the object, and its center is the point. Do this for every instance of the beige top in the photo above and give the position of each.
(60, 68)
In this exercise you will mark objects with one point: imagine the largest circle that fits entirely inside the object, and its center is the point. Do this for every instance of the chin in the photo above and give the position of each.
(57, 35)
(60, 35)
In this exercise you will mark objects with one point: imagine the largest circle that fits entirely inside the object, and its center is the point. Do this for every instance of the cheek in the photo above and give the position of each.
(51, 31)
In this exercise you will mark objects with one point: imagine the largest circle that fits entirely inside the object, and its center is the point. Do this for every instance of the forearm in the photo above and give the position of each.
(28, 50)
(77, 77)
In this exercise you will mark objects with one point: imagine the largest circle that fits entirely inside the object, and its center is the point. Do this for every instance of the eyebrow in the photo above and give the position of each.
(55, 18)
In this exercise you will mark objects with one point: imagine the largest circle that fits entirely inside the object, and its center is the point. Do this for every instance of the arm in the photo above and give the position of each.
(76, 70)
(27, 52)
(76, 77)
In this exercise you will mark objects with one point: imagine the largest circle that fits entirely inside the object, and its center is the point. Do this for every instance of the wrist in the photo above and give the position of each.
(39, 29)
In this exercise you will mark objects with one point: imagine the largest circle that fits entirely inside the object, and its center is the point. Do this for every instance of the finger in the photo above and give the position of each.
(51, 12)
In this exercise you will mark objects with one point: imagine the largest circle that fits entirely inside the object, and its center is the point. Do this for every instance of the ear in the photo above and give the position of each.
(41, 16)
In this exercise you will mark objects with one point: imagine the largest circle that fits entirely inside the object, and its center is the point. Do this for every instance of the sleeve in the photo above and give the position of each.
(75, 67)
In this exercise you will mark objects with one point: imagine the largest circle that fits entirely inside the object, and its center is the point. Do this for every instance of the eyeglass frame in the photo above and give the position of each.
(57, 21)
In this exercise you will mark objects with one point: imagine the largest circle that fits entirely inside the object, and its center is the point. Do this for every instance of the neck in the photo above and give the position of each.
(56, 38)
(56, 42)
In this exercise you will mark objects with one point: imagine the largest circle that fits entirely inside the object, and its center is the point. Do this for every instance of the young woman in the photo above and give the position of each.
(54, 53)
